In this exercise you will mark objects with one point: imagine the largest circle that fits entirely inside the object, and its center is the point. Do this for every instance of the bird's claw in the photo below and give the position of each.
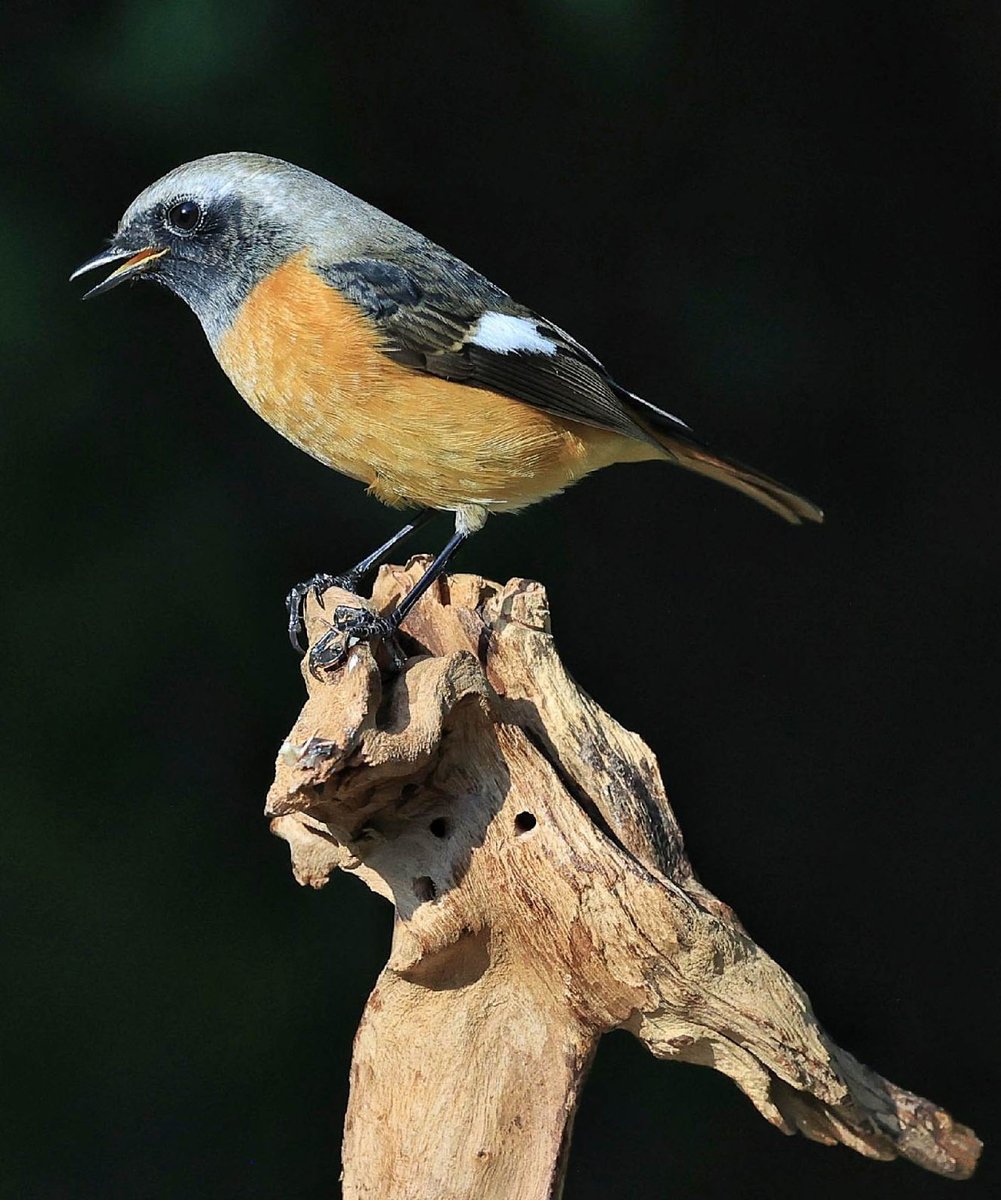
(348, 627)
(295, 602)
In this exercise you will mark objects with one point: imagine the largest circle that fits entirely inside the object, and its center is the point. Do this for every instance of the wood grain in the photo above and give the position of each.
(543, 898)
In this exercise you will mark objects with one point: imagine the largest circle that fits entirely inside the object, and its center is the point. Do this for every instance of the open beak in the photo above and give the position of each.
(137, 263)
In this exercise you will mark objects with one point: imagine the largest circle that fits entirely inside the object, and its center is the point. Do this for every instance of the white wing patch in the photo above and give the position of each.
(505, 334)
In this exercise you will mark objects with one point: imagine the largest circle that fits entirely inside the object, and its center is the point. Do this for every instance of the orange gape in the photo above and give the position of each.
(309, 362)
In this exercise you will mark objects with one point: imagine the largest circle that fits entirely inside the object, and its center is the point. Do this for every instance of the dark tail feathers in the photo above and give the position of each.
(776, 496)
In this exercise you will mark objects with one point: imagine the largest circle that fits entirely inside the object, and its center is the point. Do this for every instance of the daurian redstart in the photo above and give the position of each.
(383, 356)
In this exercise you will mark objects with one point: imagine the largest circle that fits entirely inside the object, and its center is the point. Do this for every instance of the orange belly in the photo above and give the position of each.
(309, 363)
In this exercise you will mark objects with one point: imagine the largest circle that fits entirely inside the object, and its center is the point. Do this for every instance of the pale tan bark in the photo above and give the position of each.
(543, 897)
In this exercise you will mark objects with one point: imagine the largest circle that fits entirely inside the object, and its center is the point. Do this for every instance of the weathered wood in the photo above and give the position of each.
(543, 897)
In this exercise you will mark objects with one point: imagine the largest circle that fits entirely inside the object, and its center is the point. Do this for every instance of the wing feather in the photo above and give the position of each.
(428, 308)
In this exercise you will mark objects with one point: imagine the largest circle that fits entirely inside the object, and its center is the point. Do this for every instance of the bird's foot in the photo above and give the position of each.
(348, 627)
(295, 601)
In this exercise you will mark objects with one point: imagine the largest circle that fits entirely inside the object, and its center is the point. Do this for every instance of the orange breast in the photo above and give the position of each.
(309, 363)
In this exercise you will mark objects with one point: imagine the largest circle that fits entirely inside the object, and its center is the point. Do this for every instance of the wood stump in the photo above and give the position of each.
(543, 898)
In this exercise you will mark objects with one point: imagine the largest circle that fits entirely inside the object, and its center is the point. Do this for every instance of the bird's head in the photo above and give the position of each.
(211, 229)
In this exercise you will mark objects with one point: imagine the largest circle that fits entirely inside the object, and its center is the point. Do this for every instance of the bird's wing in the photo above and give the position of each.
(437, 315)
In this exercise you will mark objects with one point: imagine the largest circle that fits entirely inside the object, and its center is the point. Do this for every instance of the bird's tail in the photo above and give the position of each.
(776, 496)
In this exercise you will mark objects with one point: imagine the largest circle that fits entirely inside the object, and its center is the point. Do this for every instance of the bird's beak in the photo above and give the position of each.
(138, 262)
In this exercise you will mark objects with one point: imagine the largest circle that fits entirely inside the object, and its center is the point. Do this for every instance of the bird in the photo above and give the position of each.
(387, 358)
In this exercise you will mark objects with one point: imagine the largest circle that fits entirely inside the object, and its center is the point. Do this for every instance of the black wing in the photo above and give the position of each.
(440, 316)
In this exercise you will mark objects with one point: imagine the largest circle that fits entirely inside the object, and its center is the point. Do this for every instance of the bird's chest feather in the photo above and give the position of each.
(311, 364)
(308, 362)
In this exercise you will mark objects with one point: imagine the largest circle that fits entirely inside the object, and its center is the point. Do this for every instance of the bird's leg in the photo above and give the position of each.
(350, 579)
(349, 625)
(295, 601)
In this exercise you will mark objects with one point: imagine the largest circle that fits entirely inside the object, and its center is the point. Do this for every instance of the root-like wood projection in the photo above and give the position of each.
(543, 898)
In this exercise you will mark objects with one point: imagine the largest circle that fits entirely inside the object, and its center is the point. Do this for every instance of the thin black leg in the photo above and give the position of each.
(370, 561)
(399, 613)
(295, 601)
(351, 625)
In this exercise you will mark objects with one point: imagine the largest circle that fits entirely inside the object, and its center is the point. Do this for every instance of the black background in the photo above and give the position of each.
(778, 220)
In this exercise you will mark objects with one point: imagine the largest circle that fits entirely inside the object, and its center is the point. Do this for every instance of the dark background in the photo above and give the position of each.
(778, 220)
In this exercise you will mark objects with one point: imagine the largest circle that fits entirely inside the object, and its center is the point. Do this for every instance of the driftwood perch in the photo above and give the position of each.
(543, 897)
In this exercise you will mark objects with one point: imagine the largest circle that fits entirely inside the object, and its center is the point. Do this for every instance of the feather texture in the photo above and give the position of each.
(430, 311)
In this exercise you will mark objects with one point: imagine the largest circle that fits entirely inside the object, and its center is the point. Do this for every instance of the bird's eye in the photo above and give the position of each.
(184, 216)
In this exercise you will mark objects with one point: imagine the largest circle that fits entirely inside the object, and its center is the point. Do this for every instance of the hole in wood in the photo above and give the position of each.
(439, 827)
(524, 821)
(456, 966)
(424, 888)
